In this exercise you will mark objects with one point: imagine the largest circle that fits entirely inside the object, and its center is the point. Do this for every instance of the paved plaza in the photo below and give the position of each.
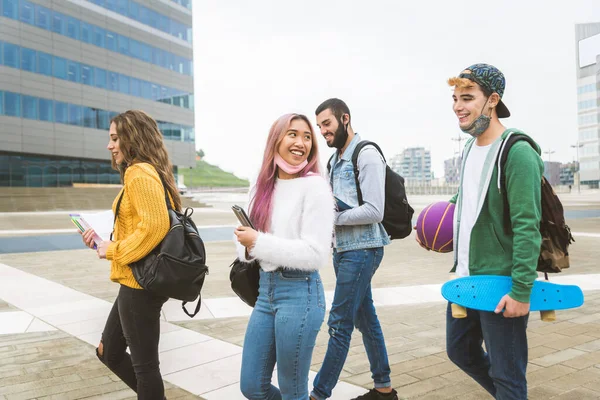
(53, 305)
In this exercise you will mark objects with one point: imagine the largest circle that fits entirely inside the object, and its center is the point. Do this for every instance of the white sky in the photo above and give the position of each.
(389, 61)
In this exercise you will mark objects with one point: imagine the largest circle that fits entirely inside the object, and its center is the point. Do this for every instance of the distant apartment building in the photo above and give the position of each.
(414, 164)
(452, 170)
(587, 38)
(567, 173)
(552, 172)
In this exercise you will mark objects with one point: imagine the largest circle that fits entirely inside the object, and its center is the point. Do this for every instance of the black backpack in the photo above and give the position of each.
(176, 267)
(397, 214)
(556, 235)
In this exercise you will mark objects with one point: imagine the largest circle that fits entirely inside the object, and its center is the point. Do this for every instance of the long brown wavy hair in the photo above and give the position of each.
(140, 140)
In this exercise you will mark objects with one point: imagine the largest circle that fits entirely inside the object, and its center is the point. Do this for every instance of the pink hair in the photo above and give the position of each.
(262, 199)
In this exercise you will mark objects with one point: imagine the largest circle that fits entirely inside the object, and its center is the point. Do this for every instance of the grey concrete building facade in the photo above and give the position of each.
(587, 43)
(68, 66)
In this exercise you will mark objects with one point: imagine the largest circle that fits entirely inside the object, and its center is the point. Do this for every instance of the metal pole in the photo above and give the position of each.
(577, 146)
(578, 169)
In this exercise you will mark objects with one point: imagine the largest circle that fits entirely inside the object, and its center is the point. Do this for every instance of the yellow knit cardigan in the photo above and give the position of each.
(142, 223)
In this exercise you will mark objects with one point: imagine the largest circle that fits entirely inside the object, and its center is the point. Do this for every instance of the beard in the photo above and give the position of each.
(340, 136)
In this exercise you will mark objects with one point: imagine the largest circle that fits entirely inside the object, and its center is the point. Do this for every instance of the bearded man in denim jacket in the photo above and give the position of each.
(358, 249)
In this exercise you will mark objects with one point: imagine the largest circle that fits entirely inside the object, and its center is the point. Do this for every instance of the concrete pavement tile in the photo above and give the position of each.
(540, 351)
(544, 375)
(542, 392)
(434, 370)
(557, 357)
(577, 394)
(584, 361)
(422, 387)
(407, 366)
(576, 379)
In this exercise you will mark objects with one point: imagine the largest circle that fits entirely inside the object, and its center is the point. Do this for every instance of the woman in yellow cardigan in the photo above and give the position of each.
(138, 152)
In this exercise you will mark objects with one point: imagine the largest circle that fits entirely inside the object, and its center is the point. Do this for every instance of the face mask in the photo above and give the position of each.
(340, 136)
(480, 124)
(287, 167)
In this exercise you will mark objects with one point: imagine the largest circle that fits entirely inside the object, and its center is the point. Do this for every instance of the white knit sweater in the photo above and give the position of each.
(301, 226)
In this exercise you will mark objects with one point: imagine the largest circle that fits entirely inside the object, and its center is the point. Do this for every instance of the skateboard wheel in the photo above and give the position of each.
(458, 311)
(548, 316)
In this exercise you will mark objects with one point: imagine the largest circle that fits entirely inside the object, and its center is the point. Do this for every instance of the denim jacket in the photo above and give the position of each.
(352, 237)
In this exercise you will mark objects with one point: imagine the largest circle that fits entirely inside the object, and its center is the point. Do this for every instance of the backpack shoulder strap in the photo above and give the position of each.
(329, 162)
(355, 154)
(510, 140)
(121, 198)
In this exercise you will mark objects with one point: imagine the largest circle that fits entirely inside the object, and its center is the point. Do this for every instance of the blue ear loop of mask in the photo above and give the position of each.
(480, 124)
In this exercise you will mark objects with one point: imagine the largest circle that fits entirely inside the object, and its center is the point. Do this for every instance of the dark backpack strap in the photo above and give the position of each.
(355, 154)
(117, 212)
(121, 198)
(503, 157)
(198, 304)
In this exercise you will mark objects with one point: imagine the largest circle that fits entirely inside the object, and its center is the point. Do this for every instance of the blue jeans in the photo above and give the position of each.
(353, 306)
(500, 371)
(283, 328)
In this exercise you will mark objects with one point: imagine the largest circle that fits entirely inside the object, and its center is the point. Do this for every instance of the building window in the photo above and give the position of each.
(28, 60)
(113, 81)
(30, 107)
(90, 117)
(58, 24)
(87, 75)
(123, 45)
(42, 17)
(99, 36)
(11, 55)
(86, 32)
(10, 9)
(59, 67)
(135, 87)
(44, 65)
(100, 77)
(26, 10)
(12, 104)
(46, 113)
(111, 41)
(60, 112)
(75, 115)
(73, 71)
(123, 84)
(103, 119)
(73, 28)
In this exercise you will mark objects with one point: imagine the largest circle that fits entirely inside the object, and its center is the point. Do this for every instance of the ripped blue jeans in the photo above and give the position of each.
(282, 329)
(353, 307)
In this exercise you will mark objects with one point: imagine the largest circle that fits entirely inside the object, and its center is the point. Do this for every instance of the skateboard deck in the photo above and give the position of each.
(483, 292)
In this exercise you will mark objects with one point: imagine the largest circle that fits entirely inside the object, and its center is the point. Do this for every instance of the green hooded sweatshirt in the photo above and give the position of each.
(493, 251)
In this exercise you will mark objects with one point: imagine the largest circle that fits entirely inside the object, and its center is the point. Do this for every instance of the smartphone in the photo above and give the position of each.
(242, 216)
(341, 206)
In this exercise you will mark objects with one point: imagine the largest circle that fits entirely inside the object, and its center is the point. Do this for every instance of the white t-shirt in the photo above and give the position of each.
(470, 189)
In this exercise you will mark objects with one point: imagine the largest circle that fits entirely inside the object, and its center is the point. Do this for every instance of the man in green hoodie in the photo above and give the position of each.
(483, 245)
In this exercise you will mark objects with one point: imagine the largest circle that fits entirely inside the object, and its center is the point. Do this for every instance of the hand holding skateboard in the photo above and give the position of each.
(486, 292)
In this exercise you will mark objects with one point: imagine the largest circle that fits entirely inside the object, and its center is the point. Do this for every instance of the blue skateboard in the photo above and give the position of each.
(483, 292)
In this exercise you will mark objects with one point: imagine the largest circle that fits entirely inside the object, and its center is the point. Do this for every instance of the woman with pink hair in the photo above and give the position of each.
(292, 209)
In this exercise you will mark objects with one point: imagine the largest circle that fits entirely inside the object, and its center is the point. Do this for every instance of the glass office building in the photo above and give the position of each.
(587, 38)
(68, 66)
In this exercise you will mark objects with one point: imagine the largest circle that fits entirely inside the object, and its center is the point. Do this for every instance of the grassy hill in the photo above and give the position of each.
(205, 174)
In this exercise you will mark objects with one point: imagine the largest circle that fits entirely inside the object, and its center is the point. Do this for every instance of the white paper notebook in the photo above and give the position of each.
(101, 222)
